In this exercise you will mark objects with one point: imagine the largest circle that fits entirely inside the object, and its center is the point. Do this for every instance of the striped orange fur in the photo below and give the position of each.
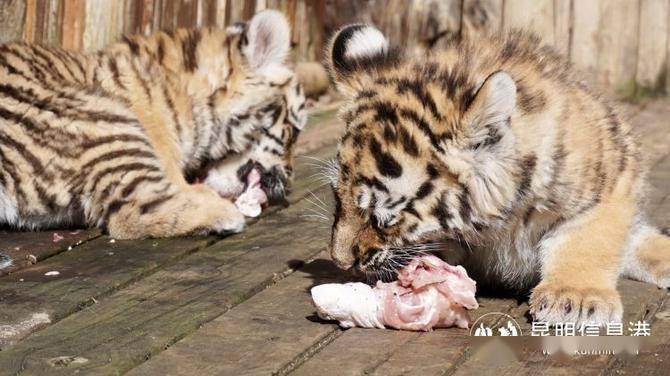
(494, 151)
(109, 139)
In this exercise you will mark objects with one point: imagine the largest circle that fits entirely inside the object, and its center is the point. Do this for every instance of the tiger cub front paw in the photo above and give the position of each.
(556, 303)
(229, 218)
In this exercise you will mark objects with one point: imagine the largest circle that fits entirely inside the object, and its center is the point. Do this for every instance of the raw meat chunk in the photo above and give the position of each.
(429, 293)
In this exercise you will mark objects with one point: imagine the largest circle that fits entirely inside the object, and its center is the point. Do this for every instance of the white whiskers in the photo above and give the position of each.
(318, 210)
(327, 170)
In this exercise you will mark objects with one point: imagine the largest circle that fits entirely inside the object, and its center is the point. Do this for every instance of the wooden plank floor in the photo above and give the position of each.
(240, 305)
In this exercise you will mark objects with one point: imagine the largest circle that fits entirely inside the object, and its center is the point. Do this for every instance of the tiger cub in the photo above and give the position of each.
(109, 139)
(496, 149)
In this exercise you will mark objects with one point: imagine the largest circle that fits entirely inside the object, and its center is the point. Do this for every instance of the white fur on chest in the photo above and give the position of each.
(8, 209)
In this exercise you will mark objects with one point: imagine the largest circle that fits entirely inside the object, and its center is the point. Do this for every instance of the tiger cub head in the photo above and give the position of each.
(252, 98)
(422, 138)
(271, 151)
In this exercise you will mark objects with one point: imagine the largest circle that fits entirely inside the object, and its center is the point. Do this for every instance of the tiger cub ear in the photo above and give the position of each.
(354, 52)
(268, 40)
(486, 119)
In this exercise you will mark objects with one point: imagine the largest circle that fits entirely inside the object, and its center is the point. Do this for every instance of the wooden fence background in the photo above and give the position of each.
(623, 44)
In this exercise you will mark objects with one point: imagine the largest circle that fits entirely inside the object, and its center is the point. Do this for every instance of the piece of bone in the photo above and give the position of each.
(429, 293)
(250, 202)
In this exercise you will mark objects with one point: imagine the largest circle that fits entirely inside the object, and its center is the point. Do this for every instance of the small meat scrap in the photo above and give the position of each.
(250, 202)
(57, 237)
(429, 293)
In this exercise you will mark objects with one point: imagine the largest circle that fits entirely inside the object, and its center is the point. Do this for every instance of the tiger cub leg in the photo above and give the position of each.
(647, 255)
(156, 211)
(581, 263)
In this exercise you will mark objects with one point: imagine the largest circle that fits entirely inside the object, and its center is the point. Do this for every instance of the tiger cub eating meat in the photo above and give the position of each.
(113, 138)
(493, 147)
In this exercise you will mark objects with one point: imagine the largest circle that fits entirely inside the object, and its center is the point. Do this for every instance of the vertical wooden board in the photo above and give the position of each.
(534, 15)
(618, 43)
(167, 16)
(53, 31)
(249, 9)
(103, 23)
(585, 29)
(563, 25)
(317, 21)
(73, 22)
(138, 16)
(481, 17)
(235, 11)
(209, 11)
(12, 15)
(301, 29)
(187, 12)
(221, 6)
(652, 55)
(29, 21)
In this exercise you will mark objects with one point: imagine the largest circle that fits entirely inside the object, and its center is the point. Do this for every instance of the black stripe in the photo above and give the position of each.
(74, 59)
(527, 169)
(116, 75)
(153, 204)
(371, 182)
(170, 104)
(409, 208)
(441, 213)
(143, 83)
(112, 209)
(50, 67)
(65, 60)
(53, 139)
(161, 49)
(394, 204)
(10, 68)
(386, 164)
(408, 142)
(422, 95)
(88, 143)
(37, 75)
(134, 47)
(365, 94)
(385, 112)
(464, 209)
(423, 126)
(35, 163)
(115, 154)
(135, 166)
(424, 190)
(59, 108)
(189, 48)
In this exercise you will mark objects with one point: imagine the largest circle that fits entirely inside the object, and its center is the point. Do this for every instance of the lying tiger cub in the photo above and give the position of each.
(109, 139)
(494, 145)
